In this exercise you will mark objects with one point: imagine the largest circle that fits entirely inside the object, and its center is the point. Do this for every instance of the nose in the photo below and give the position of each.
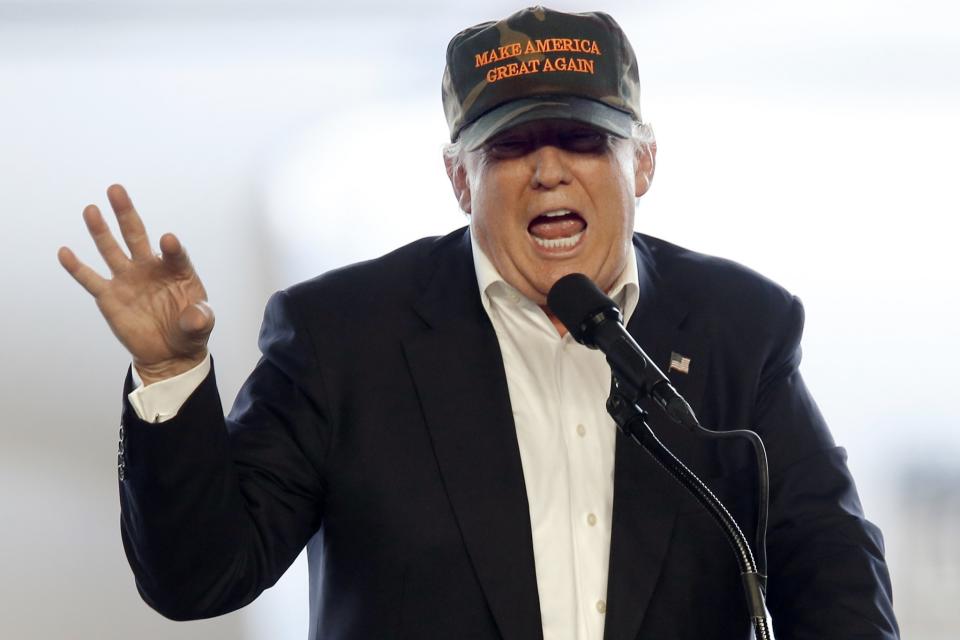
(550, 168)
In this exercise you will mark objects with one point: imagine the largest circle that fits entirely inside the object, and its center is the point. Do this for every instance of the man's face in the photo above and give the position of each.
(551, 198)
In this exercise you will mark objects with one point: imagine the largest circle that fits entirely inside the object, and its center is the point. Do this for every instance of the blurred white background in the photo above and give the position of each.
(816, 142)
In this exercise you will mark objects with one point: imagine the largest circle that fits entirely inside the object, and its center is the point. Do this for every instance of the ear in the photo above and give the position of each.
(645, 165)
(457, 174)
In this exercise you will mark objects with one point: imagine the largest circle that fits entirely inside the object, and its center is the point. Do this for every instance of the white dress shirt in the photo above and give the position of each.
(558, 390)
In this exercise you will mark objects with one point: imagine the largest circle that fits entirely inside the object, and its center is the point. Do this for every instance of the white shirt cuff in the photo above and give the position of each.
(162, 400)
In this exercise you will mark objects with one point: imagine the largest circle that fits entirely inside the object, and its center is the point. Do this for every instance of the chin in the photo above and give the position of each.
(547, 282)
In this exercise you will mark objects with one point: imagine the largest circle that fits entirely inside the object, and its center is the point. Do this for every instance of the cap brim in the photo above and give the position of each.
(597, 114)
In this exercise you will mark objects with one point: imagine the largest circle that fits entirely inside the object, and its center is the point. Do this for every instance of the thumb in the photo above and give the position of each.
(197, 320)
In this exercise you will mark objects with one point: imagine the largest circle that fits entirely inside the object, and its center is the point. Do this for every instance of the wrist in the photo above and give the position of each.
(155, 372)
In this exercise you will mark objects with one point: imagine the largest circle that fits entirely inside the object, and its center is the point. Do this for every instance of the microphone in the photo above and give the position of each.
(595, 321)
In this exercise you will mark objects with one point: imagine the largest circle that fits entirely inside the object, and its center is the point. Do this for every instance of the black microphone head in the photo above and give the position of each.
(580, 305)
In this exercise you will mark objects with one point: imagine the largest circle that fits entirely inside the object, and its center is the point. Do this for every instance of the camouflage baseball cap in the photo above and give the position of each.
(539, 64)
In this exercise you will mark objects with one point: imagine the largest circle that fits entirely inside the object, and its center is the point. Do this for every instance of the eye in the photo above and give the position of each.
(585, 141)
(509, 147)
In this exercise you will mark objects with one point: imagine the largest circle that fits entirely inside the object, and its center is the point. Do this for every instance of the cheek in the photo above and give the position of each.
(490, 226)
(616, 205)
(497, 202)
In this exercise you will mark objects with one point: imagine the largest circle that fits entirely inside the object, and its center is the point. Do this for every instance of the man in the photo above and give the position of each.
(427, 424)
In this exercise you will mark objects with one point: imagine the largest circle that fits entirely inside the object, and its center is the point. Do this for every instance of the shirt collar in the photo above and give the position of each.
(625, 290)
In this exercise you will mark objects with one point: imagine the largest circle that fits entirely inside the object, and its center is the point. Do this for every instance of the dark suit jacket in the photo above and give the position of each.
(377, 426)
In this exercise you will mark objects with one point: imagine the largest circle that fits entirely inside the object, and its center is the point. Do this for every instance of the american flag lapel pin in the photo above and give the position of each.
(679, 363)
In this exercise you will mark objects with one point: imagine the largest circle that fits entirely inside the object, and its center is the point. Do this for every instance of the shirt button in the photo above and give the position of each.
(601, 606)
(581, 430)
(591, 519)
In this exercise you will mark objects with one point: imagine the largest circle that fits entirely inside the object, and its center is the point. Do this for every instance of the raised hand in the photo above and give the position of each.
(155, 304)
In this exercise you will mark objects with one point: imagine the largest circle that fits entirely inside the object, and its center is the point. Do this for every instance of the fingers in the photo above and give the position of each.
(174, 255)
(87, 277)
(107, 245)
(131, 226)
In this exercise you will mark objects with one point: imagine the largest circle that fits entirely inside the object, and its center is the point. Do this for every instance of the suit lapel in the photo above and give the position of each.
(645, 497)
(458, 371)
(659, 325)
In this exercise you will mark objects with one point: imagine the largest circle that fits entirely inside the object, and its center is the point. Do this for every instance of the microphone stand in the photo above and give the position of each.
(631, 420)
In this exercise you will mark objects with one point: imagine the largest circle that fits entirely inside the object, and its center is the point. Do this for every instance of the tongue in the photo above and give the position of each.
(558, 227)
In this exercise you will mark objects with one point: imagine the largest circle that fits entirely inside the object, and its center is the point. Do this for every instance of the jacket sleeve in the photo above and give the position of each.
(828, 577)
(214, 510)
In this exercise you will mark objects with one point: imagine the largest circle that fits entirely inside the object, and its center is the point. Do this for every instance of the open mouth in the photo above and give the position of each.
(559, 229)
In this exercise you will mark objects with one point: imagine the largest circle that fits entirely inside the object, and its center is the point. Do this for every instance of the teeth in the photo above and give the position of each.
(557, 213)
(558, 243)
